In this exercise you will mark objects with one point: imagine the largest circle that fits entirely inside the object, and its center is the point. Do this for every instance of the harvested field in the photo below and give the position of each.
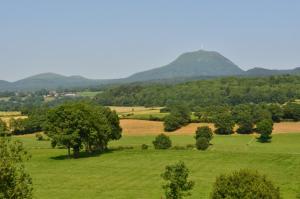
(8, 118)
(287, 127)
(135, 109)
(142, 127)
(6, 114)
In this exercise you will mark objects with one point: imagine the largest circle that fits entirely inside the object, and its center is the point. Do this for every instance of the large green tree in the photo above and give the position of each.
(15, 182)
(265, 128)
(78, 124)
(224, 123)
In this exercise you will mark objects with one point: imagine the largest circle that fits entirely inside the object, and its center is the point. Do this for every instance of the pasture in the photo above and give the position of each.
(89, 94)
(138, 112)
(135, 173)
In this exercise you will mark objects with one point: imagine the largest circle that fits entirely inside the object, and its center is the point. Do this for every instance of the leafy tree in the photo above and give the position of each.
(3, 128)
(171, 123)
(15, 183)
(292, 111)
(245, 123)
(78, 124)
(276, 112)
(162, 141)
(264, 128)
(202, 143)
(224, 123)
(261, 113)
(204, 131)
(180, 115)
(178, 186)
(244, 184)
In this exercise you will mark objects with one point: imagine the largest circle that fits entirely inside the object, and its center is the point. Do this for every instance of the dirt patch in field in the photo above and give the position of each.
(143, 127)
(287, 127)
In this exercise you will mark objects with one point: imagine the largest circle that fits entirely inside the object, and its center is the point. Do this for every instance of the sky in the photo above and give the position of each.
(106, 39)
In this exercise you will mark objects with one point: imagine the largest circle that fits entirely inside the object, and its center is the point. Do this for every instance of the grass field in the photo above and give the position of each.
(90, 94)
(135, 173)
(138, 112)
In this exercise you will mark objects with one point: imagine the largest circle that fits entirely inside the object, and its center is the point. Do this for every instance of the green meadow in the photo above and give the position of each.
(128, 172)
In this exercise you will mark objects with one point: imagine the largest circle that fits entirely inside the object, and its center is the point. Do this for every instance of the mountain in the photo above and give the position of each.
(187, 67)
(191, 64)
(268, 72)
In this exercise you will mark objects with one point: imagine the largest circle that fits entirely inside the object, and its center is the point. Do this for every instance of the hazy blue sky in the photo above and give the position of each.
(112, 39)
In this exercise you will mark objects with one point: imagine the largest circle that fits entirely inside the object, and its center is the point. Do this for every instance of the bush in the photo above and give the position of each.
(190, 146)
(244, 184)
(202, 143)
(15, 182)
(205, 132)
(39, 137)
(162, 142)
(3, 129)
(144, 146)
(178, 148)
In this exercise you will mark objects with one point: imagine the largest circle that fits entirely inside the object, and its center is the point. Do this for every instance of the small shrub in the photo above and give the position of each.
(190, 146)
(144, 146)
(39, 137)
(178, 148)
(202, 143)
(124, 147)
(162, 141)
(3, 129)
(244, 184)
(205, 132)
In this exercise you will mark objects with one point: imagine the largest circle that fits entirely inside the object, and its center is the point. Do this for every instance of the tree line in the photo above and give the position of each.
(214, 92)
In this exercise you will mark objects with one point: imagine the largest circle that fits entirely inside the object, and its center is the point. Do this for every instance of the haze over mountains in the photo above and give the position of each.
(192, 65)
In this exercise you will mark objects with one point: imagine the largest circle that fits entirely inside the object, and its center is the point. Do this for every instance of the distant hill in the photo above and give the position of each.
(199, 63)
(188, 66)
(48, 81)
(268, 72)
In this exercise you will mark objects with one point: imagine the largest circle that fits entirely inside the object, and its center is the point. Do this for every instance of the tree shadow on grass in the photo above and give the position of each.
(84, 154)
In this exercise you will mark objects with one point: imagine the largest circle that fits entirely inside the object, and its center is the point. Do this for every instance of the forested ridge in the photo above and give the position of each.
(221, 91)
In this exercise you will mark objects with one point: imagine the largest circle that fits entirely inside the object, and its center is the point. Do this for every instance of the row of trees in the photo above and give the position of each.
(248, 119)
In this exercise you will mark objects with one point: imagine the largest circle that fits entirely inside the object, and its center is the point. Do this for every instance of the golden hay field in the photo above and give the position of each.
(143, 127)
(135, 109)
(7, 116)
